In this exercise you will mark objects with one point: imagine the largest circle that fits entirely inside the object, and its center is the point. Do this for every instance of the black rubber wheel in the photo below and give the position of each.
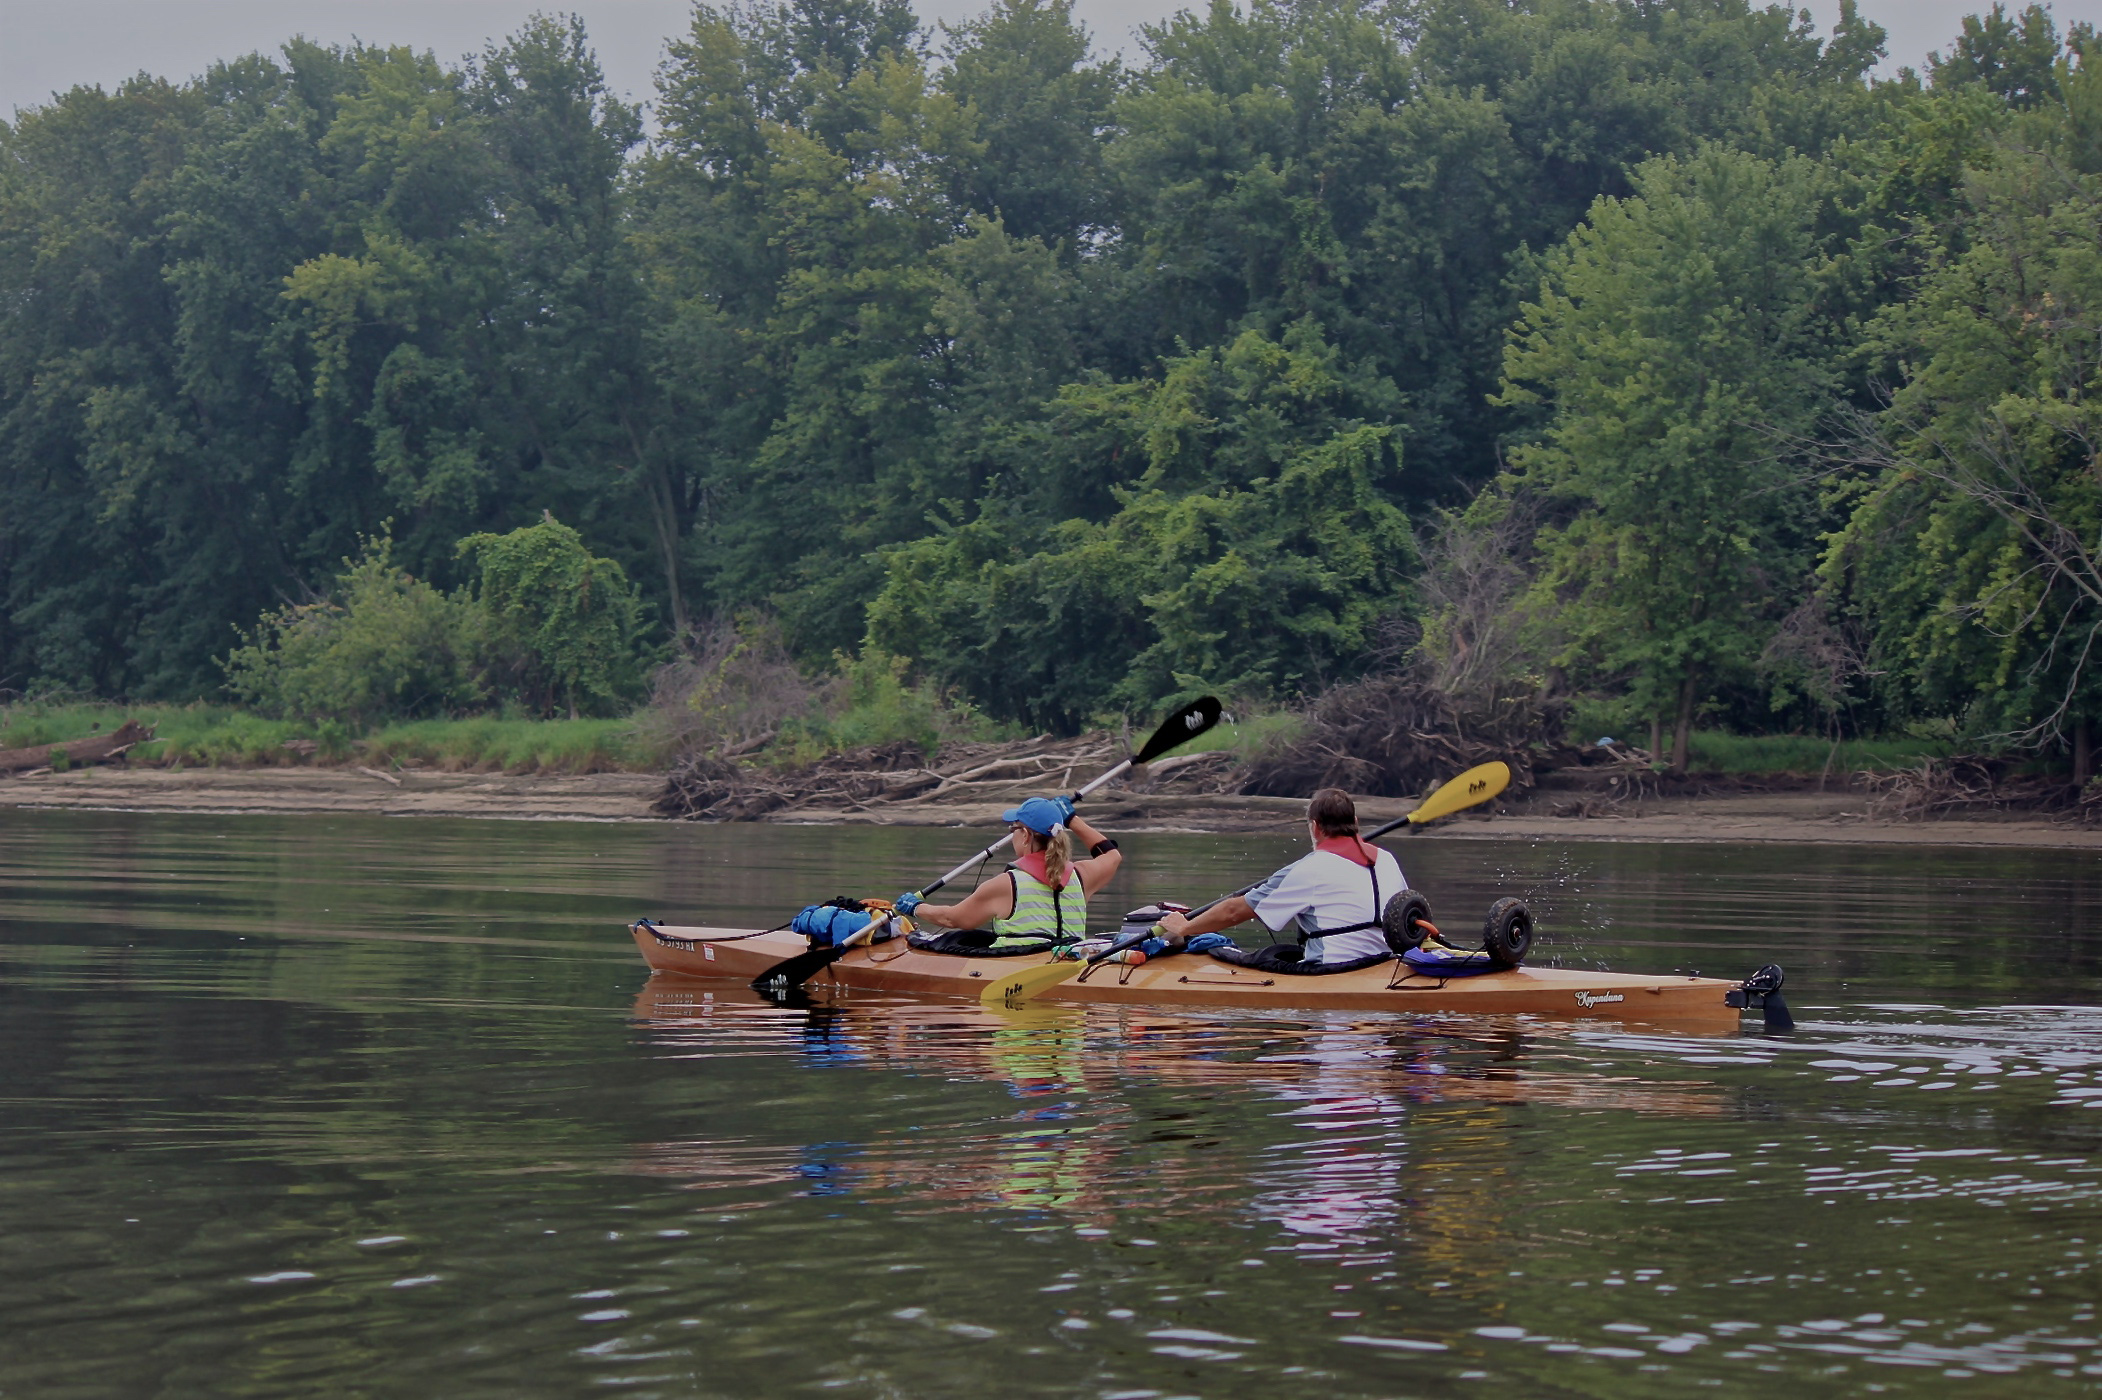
(1508, 932)
(1401, 920)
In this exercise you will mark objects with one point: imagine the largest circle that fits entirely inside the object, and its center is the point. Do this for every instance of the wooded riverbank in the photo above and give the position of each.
(1602, 368)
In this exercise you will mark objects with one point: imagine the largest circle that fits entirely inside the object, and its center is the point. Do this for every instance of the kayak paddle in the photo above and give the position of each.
(1178, 729)
(1012, 991)
(1476, 785)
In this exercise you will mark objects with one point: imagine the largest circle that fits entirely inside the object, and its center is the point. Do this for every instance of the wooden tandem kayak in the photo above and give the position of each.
(1195, 980)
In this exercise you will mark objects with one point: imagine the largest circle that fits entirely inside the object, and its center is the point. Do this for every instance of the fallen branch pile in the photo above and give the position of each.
(1621, 773)
(99, 748)
(1389, 737)
(1384, 738)
(1969, 784)
(708, 788)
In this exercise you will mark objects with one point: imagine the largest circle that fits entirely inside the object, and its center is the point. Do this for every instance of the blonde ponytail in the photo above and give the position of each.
(1058, 856)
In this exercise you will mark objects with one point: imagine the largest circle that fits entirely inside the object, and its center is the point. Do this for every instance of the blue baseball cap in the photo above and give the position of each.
(1039, 814)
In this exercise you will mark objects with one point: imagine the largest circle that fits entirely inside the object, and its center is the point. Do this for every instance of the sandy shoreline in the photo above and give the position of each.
(1805, 817)
(299, 791)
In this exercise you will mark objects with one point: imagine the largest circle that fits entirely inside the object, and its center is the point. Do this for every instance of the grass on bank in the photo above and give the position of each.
(221, 736)
(1767, 755)
(205, 735)
(1243, 737)
(1710, 751)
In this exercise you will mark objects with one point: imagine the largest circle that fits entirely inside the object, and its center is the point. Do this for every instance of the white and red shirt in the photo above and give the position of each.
(1333, 888)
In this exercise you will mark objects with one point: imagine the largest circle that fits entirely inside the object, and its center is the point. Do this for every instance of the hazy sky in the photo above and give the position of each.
(48, 45)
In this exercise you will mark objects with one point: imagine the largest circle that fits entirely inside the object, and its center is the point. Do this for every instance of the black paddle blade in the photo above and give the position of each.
(1179, 728)
(790, 973)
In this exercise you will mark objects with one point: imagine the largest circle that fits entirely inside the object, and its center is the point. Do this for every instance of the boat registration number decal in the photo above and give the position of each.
(707, 952)
(1590, 999)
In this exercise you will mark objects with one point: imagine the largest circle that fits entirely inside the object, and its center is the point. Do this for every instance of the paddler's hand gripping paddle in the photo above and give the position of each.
(1476, 785)
(1178, 729)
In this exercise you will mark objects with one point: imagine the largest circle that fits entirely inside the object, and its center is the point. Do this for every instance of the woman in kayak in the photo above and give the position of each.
(1333, 895)
(1038, 901)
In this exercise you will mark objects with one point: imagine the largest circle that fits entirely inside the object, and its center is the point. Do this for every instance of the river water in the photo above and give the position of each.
(367, 1107)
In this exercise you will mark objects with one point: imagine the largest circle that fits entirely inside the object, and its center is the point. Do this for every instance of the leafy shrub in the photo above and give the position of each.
(385, 644)
(737, 691)
(875, 702)
(561, 624)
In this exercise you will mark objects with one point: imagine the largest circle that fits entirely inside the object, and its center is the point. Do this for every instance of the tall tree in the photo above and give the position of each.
(1040, 112)
(798, 197)
(1675, 344)
(1974, 552)
(1252, 552)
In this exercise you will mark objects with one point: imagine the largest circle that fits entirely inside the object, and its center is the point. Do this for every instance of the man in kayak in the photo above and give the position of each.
(1331, 897)
(1038, 901)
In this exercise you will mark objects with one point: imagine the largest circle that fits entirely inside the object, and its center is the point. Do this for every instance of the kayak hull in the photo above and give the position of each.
(1196, 980)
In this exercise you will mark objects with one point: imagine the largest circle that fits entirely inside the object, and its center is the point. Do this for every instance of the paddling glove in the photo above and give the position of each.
(907, 902)
(1065, 809)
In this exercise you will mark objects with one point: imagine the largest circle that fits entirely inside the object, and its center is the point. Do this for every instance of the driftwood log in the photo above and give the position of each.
(98, 748)
(708, 787)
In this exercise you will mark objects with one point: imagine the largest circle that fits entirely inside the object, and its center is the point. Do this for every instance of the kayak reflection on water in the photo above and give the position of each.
(1338, 1179)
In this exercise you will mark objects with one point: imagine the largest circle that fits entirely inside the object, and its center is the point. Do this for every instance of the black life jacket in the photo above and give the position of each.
(1371, 923)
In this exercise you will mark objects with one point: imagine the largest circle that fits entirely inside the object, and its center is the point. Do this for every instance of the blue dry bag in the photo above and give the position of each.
(828, 925)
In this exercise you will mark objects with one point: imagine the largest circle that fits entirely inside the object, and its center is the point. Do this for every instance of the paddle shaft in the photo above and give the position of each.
(1111, 776)
(1379, 831)
(1176, 730)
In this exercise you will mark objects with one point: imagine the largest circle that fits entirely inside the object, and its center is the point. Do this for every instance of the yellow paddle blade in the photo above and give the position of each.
(1014, 988)
(1474, 785)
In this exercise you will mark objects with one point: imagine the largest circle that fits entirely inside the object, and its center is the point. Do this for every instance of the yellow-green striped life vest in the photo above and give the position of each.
(1042, 912)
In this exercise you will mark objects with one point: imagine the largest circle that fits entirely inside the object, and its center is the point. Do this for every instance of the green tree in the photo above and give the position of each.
(1253, 551)
(796, 198)
(1384, 170)
(2014, 57)
(1974, 549)
(473, 330)
(1040, 113)
(251, 318)
(1676, 348)
(962, 343)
